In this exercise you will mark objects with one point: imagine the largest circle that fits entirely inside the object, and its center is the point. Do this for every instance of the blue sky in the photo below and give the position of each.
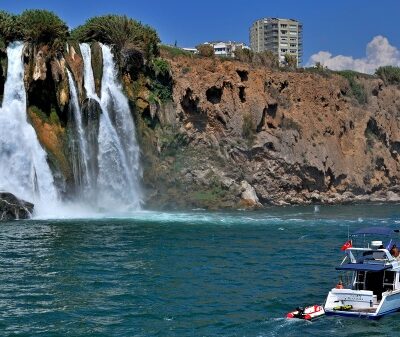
(340, 26)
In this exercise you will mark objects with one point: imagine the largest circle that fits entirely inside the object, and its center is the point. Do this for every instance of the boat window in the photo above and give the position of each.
(359, 283)
(388, 280)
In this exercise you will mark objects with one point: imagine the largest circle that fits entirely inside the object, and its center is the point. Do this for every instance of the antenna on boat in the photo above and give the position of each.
(348, 232)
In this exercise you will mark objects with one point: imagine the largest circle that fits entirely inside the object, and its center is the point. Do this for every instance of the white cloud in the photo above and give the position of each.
(379, 52)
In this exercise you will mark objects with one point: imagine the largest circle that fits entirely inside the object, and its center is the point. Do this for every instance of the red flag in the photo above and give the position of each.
(347, 244)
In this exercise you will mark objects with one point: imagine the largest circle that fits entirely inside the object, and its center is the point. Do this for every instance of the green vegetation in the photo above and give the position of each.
(389, 74)
(356, 88)
(161, 81)
(160, 67)
(37, 26)
(291, 61)
(173, 51)
(41, 26)
(9, 28)
(212, 193)
(171, 141)
(52, 119)
(120, 31)
(205, 50)
(266, 59)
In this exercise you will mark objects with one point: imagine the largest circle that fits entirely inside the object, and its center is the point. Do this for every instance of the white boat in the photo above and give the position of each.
(373, 287)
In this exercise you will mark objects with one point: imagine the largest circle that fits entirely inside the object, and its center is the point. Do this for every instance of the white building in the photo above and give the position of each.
(226, 49)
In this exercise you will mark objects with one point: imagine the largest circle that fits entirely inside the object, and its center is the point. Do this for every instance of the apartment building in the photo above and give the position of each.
(281, 36)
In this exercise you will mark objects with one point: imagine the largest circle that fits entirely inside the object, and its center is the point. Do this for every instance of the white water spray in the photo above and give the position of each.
(24, 170)
(118, 157)
(84, 179)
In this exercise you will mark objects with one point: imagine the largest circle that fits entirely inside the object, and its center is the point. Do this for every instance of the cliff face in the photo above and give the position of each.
(239, 136)
(232, 135)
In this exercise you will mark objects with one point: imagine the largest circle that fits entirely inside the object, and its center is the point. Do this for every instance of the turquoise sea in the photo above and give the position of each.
(181, 274)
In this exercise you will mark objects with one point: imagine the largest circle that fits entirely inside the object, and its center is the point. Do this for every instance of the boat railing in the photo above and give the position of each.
(369, 255)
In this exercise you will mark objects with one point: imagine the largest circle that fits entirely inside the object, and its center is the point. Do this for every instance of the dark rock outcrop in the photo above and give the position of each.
(12, 208)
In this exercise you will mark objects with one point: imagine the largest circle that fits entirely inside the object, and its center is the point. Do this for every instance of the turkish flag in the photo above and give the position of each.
(347, 244)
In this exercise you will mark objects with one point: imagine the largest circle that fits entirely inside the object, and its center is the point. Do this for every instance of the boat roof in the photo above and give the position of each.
(376, 231)
(364, 267)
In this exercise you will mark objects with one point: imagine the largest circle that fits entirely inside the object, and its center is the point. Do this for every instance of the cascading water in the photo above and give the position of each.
(24, 170)
(84, 177)
(118, 152)
(115, 108)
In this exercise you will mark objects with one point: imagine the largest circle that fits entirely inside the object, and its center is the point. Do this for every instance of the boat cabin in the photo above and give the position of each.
(373, 286)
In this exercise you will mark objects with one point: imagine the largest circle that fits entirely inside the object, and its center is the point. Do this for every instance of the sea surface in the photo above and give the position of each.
(197, 273)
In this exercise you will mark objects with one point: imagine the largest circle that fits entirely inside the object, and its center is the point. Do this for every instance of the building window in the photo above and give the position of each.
(283, 50)
(283, 25)
(292, 26)
(293, 33)
(293, 51)
(283, 31)
(293, 45)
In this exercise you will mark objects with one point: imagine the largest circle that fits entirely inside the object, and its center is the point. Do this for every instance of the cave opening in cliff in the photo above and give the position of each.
(194, 114)
(42, 95)
(242, 94)
(243, 74)
(214, 94)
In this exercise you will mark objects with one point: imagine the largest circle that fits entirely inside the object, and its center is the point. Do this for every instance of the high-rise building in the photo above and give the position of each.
(281, 36)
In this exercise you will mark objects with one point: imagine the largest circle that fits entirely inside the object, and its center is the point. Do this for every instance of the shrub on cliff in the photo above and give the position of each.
(41, 26)
(389, 74)
(205, 50)
(265, 59)
(291, 61)
(356, 87)
(119, 31)
(9, 28)
(161, 81)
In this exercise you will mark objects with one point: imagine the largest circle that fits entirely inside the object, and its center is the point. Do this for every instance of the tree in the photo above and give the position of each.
(10, 29)
(244, 55)
(205, 49)
(319, 66)
(267, 59)
(291, 61)
(119, 31)
(41, 26)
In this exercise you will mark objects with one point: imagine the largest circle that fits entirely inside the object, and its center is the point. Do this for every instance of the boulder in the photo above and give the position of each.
(248, 195)
(12, 208)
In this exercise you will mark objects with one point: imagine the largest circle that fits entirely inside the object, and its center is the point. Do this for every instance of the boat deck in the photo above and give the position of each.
(366, 310)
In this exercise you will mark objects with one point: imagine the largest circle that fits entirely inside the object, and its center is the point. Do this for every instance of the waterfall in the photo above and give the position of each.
(118, 152)
(84, 178)
(24, 170)
(115, 105)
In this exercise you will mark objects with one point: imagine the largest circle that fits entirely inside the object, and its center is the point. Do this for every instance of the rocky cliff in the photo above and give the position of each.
(224, 134)
(241, 136)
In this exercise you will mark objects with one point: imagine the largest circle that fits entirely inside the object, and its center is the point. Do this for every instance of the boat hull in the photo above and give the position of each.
(365, 304)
